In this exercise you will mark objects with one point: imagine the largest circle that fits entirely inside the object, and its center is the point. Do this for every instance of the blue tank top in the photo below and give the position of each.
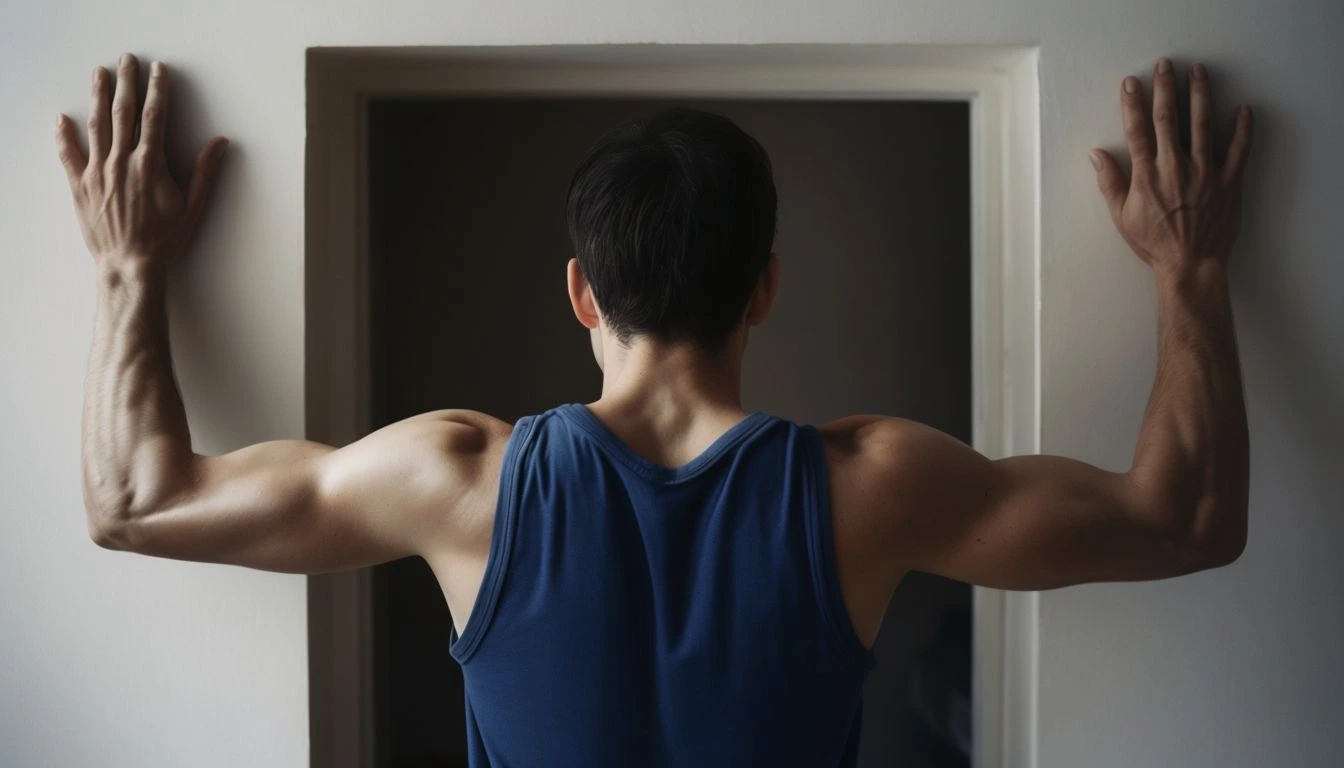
(632, 614)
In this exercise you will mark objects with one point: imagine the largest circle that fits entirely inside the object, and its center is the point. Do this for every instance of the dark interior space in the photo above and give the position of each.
(468, 247)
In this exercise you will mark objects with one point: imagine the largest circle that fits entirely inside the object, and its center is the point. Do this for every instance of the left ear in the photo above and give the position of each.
(581, 296)
(767, 287)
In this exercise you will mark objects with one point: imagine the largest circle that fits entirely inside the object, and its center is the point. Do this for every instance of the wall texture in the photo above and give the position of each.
(106, 659)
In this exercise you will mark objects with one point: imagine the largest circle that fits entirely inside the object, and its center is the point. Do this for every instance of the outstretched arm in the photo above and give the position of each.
(1037, 522)
(284, 505)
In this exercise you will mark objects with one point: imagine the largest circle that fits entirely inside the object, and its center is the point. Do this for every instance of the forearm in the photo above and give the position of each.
(135, 438)
(1191, 462)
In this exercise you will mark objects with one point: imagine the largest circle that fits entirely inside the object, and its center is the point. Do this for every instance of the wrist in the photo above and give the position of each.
(119, 270)
(1197, 274)
(1194, 285)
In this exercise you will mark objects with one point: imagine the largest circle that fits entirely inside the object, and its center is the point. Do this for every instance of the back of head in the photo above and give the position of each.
(672, 219)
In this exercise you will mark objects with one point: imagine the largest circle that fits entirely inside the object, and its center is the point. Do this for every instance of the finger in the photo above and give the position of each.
(1165, 117)
(67, 147)
(1200, 108)
(1135, 118)
(1111, 180)
(100, 125)
(203, 177)
(156, 110)
(123, 108)
(1240, 147)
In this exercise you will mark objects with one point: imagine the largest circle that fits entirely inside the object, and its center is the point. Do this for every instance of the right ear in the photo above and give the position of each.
(581, 296)
(767, 288)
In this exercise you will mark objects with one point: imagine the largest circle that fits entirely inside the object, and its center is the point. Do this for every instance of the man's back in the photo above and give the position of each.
(637, 614)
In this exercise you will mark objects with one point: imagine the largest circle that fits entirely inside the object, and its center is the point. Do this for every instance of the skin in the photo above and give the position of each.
(904, 496)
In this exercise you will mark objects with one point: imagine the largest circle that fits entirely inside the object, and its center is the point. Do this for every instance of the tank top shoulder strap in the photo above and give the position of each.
(822, 554)
(501, 538)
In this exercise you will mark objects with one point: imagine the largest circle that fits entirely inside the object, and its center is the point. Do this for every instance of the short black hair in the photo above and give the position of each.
(672, 219)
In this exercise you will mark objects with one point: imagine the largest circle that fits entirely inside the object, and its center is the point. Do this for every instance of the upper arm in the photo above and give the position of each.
(914, 498)
(298, 506)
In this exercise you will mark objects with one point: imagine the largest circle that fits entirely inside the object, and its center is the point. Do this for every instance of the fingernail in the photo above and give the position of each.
(1163, 66)
(1131, 84)
(1096, 161)
(156, 68)
(223, 147)
(60, 120)
(1198, 71)
(1245, 110)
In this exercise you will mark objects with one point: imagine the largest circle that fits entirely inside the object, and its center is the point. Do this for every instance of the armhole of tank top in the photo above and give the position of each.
(462, 647)
(825, 573)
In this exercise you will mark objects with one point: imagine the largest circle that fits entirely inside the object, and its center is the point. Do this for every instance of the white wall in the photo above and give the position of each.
(106, 659)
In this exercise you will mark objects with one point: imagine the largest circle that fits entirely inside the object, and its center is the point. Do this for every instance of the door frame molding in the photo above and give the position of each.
(1001, 85)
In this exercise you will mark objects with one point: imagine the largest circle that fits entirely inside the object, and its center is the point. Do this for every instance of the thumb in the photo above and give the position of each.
(204, 174)
(1111, 180)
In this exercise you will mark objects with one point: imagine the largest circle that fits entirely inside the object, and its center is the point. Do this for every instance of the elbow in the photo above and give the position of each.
(1227, 549)
(1200, 528)
(107, 536)
(106, 511)
(1218, 539)
(114, 510)
(109, 517)
(109, 528)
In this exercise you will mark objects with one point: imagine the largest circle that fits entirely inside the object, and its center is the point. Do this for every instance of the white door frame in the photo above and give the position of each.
(999, 83)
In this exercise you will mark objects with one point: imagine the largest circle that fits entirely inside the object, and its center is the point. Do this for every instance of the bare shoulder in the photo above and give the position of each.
(457, 430)
(468, 450)
(871, 461)
(864, 456)
(867, 444)
(882, 470)
(890, 476)
(439, 468)
(462, 448)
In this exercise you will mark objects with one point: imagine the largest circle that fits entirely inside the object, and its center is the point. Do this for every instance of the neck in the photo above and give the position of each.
(652, 377)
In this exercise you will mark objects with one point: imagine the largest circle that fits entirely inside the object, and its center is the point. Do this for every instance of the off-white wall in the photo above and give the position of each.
(106, 659)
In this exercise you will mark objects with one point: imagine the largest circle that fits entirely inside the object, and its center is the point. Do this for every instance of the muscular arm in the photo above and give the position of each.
(285, 505)
(914, 498)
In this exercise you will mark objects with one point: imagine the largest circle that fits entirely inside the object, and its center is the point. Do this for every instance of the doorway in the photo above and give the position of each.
(467, 308)
(1002, 87)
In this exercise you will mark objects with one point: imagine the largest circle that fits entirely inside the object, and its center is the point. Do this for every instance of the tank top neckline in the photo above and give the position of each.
(579, 415)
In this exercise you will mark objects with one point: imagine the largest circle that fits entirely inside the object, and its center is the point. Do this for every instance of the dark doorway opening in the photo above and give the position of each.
(468, 309)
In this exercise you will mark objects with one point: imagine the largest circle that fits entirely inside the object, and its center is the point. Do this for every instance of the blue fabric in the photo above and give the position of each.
(639, 615)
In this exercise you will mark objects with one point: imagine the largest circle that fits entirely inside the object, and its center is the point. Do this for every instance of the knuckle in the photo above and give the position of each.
(119, 109)
(1200, 176)
(152, 113)
(141, 165)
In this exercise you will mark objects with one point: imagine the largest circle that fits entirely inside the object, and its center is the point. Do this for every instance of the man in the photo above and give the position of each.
(661, 577)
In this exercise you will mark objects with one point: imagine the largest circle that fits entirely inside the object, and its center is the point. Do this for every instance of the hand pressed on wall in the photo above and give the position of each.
(130, 208)
(1177, 211)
